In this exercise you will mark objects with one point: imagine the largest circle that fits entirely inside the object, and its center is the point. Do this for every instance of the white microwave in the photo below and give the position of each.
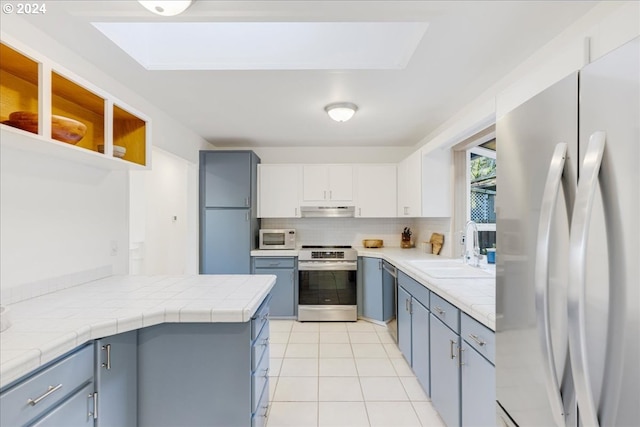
(277, 239)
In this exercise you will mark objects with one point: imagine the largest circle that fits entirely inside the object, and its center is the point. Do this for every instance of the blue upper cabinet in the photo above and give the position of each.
(228, 178)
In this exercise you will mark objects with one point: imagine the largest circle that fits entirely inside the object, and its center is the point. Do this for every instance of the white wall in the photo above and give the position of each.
(162, 209)
(59, 218)
(608, 25)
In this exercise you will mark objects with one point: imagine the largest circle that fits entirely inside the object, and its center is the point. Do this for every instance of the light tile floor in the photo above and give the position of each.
(342, 374)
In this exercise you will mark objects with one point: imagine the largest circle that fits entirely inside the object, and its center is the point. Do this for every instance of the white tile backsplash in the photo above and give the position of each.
(352, 231)
(38, 288)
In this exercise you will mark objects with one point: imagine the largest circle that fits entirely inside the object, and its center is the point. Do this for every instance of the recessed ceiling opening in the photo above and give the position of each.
(267, 45)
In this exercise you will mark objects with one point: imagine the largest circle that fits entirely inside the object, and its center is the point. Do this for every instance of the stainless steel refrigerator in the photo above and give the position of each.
(568, 264)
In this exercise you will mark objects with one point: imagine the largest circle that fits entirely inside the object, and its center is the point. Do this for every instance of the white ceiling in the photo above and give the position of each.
(468, 46)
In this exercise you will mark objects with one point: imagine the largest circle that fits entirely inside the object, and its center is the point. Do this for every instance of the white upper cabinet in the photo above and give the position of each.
(410, 186)
(278, 191)
(329, 184)
(376, 190)
(436, 183)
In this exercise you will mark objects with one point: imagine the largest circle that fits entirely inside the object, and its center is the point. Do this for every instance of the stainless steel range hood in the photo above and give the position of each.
(327, 211)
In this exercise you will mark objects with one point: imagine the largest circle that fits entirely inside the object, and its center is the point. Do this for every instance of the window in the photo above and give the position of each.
(481, 173)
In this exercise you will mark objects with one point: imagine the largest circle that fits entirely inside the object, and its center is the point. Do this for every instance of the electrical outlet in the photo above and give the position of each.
(114, 247)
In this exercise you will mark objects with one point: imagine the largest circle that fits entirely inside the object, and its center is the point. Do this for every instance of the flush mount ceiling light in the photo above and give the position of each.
(341, 111)
(166, 7)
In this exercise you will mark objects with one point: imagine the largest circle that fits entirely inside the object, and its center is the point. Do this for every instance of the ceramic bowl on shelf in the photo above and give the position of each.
(118, 151)
(67, 130)
(62, 128)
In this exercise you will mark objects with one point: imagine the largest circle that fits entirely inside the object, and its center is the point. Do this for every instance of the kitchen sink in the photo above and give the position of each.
(450, 269)
(448, 263)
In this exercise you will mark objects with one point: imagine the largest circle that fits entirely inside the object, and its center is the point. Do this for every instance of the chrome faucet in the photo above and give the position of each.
(475, 253)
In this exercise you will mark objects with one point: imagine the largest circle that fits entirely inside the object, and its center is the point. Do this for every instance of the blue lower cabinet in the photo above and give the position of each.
(420, 344)
(404, 323)
(445, 372)
(197, 374)
(116, 373)
(285, 291)
(375, 296)
(478, 389)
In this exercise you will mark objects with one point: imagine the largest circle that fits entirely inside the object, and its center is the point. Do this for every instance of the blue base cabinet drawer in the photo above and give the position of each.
(76, 411)
(260, 318)
(47, 388)
(259, 418)
(479, 337)
(273, 262)
(448, 313)
(259, 381)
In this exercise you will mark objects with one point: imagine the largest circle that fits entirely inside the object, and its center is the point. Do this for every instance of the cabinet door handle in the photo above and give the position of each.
(451, 344)
(246, 201)
(94, 397)
(330, 195)
(406, 304)
(324, 194)
(460, 350)
(439, 310)
(107, 365)
(295, 211)
(410, 306)
(266, 409)
(380, 264)
(52, 389)
(477, 340)
(247, 216)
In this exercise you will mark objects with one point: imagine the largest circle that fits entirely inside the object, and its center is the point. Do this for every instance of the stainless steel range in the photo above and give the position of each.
(327, 283)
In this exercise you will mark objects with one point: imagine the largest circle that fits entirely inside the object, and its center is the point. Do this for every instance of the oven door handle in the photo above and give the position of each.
(327, 266)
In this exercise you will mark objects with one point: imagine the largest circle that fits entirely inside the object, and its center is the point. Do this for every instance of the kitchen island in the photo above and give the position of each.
(162, 324)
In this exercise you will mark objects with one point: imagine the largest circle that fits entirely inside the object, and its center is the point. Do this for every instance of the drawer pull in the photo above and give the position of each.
(265, 342)
(266, 409)
(266, 372)
(477, 340)
(265, 316)
(452, 343)
(107, 365)
(439, 310)
(49, 392)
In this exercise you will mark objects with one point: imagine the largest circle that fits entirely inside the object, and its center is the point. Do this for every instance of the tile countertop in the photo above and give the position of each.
(476, 297)
(46, 327)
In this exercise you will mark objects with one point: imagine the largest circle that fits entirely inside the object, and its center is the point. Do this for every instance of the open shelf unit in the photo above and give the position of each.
(18, 83)
(31, 83)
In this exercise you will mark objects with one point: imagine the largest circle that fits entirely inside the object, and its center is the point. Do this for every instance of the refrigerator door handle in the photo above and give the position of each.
(578, 240)
(541, 278)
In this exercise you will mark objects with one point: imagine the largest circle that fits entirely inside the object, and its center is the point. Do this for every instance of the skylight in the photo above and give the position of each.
(267, 45)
